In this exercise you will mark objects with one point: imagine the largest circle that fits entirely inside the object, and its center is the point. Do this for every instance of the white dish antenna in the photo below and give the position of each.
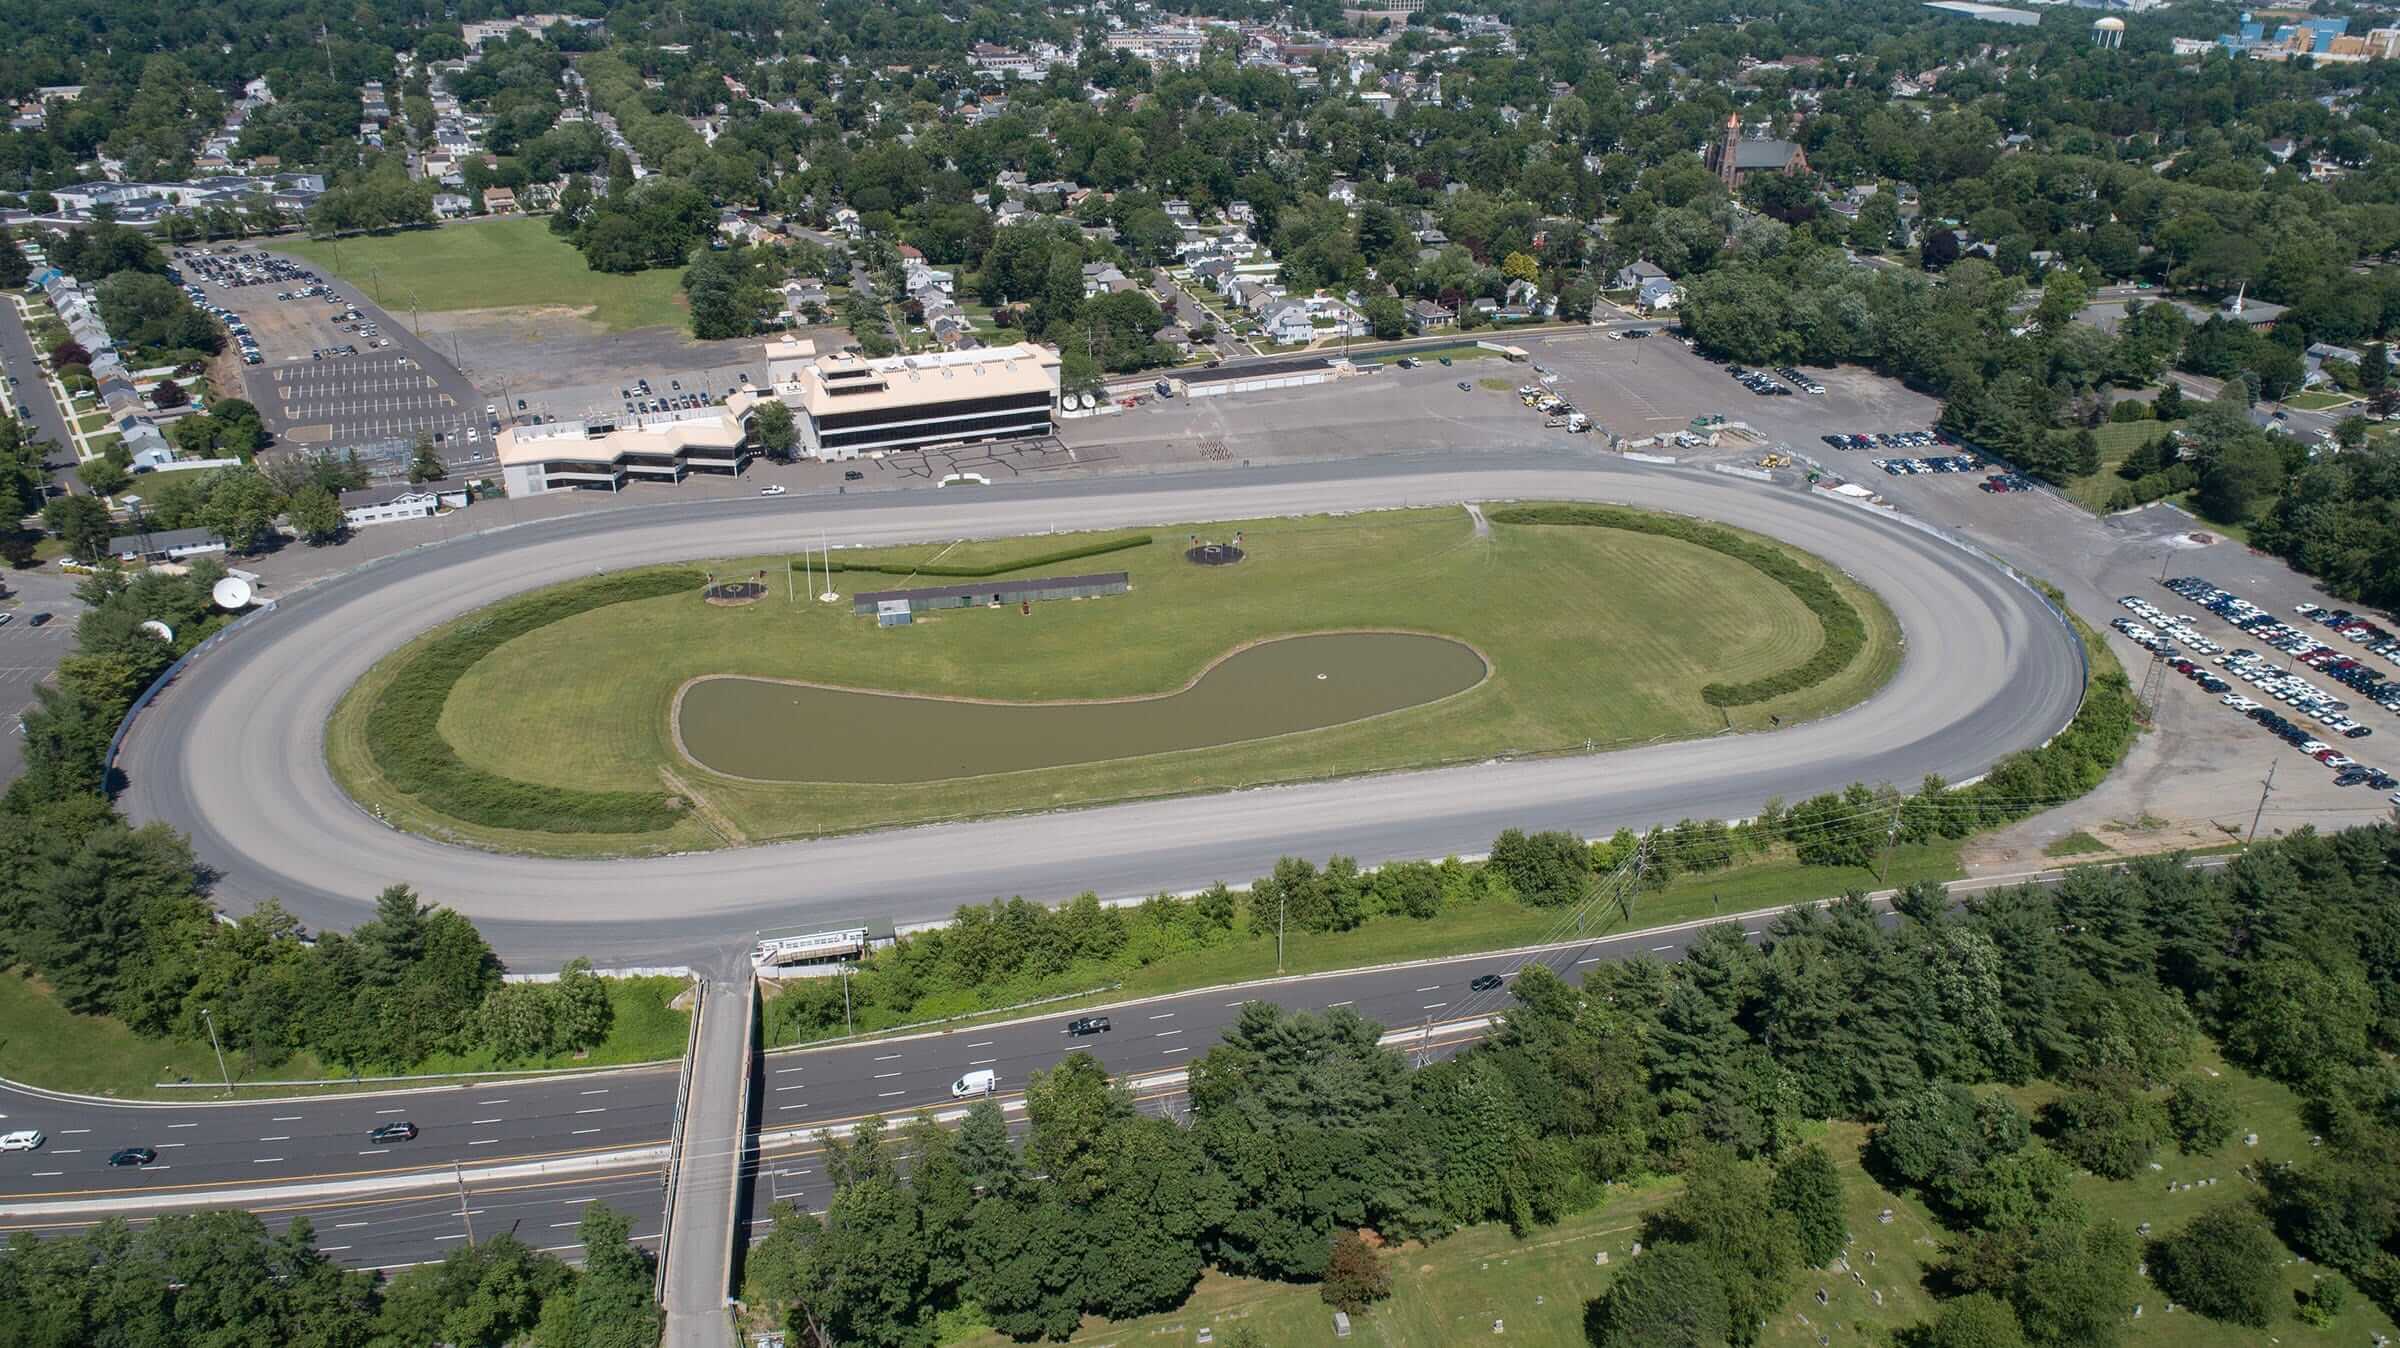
(233, 592)
(158, 629)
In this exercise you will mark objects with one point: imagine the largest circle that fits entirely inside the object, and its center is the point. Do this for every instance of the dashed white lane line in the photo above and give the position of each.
(981, 1043)
(780, 1089)
(266, 1160)
(887, 1057)
(477, 1123)
(596, 1109)
(283, 1138)
(331, 1249)
(1668, 946)
(287, 1118)
(1164, 1033)
(885, 1076)
(1164, 1015)
(787, 1071)
(1435, 988)
(1330, 1005)
(581, 1131)
(982, 1062)
(1183, 1049)
(602, 1091)
(501, 1101)
(183, 1125)
(1433, 1006)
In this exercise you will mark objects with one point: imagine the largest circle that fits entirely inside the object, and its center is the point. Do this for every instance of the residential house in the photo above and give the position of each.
(452, 206)
(499, 201)
(1657, 294)
(1344, 191)
(1430, 316)
(1287, 322)
(165, 545)
(1103, 278)
(386, 505)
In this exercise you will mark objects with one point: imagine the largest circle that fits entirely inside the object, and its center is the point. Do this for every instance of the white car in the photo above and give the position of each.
(776, 490)
(24, 1139)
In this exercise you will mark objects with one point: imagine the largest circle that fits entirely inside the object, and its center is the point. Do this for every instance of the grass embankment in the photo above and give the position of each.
(495, 264)
(1597, 638)
(1537, 1285)
(44, 1044)
(2316, 400)
(1484, 924)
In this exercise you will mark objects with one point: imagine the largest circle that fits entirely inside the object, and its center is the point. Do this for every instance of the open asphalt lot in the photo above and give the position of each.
(233, 755)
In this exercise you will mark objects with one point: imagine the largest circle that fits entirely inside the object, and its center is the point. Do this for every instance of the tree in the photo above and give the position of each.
(517, 1021)
(2224, 1264)
(1355, 1277)
(2200, 1114)
(102, 476)
(14, 270)
(1669, 1297)
(241, 508)
(585, 1013)
(1387, 318)
(316, 513)
(1808, 1187)
(82, 524)
(1545, 869)
(2168, 406)
(772, 423)
(1521, 267)
(2106, 1125)
(167, 394)
(2239, 479)
(425, 465)
(1978, 1320)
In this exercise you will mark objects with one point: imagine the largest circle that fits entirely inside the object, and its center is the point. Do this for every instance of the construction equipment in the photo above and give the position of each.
(1774, 460)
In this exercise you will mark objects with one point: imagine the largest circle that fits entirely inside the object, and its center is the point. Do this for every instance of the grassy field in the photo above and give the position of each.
(2317, 401)
(496, 264)
(44, 1044)
(1446, 1293)
(2118, 440)
(1567, 617)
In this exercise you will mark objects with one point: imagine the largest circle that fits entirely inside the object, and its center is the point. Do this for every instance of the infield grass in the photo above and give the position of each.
(496, 264)
(1598, 639)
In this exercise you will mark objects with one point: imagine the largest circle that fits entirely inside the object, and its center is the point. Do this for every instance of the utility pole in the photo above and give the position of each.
(2263, 788)
(847, 1028)
(463, 1214)
(1279, 908)
(212, 1043)
(1890, 833)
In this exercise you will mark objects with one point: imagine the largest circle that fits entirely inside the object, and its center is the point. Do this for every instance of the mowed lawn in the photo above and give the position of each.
(495, 264)
(1597, 638)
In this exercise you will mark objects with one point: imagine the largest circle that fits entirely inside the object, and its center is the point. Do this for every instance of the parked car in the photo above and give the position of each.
(853, 475)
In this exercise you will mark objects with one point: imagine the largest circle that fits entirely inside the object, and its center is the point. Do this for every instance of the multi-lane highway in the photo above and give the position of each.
(233, 753)
(1432, 1006)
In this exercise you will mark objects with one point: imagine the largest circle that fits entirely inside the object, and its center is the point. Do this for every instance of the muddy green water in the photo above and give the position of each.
(793, 732)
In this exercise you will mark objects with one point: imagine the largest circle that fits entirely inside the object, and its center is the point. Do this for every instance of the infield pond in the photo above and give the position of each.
(773, 730)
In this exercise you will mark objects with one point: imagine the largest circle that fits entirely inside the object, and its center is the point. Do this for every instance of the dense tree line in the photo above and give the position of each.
(220, 1277)
(1304, 1131)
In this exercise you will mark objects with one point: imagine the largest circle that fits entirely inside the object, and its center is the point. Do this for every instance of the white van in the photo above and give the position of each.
(981, 1081)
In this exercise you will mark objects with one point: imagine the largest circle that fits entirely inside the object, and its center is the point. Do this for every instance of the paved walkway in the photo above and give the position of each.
(700, 1236)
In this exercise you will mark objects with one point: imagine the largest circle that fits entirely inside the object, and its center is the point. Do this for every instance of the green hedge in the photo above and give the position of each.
(404, 731)
(1845, 630)
(1094, 549)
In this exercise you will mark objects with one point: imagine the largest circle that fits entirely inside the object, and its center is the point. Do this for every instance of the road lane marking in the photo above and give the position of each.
(581, 1131)
(780, 1108)
(982, 1062)
(1164, 1015)
(780, 1089)
(602, 1091)
(484, 1142)
(1184, 1049)
(1433, 1006)
(170, 1144)
(344, 1226)
(480, 1122)
(596, 1109)
(885, 1076)
(1164, 1033)
(886, 1095)
(887, 1057)
(786, 1071)
(331, 1249)
(183, 1125)
(501, 1101)
(394, 1111)
(1330, 1005)
(266, 1160)
(1435, 988)
(980, 1043)
(460, 1236)
(287, 1118)
(1668, 946)
(70, 1131)
(47, 1174)
(1590, 959)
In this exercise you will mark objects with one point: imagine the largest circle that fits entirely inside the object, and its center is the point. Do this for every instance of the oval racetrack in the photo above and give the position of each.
(233, 753)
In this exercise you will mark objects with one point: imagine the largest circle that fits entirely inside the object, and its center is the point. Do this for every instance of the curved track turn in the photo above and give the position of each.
(233, 753)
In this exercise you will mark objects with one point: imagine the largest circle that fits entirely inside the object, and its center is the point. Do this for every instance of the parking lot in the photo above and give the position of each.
(334, 371)
(370, 399)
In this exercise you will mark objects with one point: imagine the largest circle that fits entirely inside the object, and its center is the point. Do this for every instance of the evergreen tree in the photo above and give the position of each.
(1809, 1190)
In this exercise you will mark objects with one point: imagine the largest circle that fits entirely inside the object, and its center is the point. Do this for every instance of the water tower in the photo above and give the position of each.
(2108, 32)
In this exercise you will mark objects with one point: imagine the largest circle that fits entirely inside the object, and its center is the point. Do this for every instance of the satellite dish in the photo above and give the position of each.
(231, 592)
(158, 629)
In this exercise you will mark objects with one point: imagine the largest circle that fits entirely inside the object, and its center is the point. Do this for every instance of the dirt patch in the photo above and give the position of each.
(536, 349)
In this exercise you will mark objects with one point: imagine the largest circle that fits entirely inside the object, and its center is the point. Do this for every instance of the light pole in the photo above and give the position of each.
(1279, 909)
(211, 1021)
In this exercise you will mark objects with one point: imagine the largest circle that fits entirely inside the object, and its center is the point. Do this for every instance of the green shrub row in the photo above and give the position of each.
(1092, 549)
(1845, 630)
(404, 730)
